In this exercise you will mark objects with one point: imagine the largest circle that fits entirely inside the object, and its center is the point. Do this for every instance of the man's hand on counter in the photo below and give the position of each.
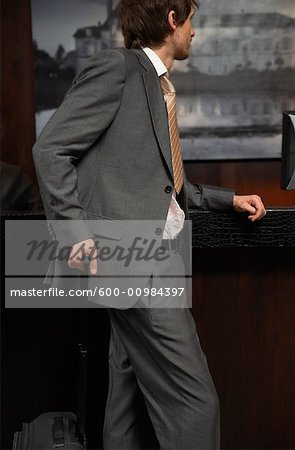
(251, 204)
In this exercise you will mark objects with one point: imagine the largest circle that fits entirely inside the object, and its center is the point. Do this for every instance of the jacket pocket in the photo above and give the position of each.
(105, 227)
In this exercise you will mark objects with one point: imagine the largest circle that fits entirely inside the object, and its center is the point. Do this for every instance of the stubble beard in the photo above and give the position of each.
(183, 56)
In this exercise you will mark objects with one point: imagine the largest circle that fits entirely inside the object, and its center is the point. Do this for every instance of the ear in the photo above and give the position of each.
(172, 21)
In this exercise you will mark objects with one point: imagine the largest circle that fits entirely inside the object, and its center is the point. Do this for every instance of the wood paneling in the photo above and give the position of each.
(17, 85)
(243, 303)
(247, 177)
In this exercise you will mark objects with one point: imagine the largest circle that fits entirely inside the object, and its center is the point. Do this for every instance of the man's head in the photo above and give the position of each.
(149, 23)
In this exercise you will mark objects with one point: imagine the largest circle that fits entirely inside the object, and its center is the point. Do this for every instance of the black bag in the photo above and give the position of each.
(61, 430)
(48, 431)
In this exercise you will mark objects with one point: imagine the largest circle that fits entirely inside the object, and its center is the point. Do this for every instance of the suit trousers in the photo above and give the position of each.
(156, 349)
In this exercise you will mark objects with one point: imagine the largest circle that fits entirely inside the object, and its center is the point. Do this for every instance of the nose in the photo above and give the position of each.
(193, 32)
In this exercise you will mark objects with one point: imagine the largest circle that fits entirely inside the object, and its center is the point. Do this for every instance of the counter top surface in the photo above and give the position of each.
(226, 229)
(231, 229)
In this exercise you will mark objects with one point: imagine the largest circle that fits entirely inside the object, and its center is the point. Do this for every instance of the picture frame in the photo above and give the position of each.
(231, 91)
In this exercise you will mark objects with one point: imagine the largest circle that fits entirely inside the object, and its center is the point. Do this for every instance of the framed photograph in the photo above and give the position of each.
(231, 91)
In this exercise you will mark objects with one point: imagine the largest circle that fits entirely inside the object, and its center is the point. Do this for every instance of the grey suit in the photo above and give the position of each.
(106, 154)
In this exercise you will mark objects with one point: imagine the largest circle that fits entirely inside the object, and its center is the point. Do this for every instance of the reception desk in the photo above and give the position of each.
(228, 230)
(243, 304)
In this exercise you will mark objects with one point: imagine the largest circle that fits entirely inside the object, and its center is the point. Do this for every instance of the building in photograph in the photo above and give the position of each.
(228, 39)
(230, 42)
(92, 39)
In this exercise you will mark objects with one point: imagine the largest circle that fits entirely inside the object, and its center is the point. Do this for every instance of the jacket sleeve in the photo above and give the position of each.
(207, 197)
(87, 111)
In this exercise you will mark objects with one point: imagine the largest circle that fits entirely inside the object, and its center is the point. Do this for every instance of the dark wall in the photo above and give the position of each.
(247, 177)
(17, 85)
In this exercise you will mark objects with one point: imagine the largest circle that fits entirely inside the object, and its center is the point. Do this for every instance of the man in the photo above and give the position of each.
(112, 151)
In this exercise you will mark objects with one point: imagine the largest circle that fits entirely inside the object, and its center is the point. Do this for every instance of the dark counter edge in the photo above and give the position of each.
(223, 229)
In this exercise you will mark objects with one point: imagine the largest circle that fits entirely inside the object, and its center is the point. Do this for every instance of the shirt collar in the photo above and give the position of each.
(155, 60)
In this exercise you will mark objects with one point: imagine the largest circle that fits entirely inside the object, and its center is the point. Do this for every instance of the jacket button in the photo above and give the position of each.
(158, 231)
(168, 189)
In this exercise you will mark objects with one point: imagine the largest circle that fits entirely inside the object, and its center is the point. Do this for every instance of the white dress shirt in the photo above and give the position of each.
(175, 217)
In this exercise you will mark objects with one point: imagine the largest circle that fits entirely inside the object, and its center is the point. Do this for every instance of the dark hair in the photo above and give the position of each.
(145, 22)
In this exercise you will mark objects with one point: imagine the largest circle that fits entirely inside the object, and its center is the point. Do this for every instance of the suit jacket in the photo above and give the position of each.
(105, 154)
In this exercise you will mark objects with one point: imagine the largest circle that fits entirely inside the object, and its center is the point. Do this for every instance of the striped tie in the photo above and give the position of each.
(177, 165)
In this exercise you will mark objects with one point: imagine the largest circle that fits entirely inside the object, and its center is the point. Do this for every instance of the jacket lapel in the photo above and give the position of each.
(157, 107)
